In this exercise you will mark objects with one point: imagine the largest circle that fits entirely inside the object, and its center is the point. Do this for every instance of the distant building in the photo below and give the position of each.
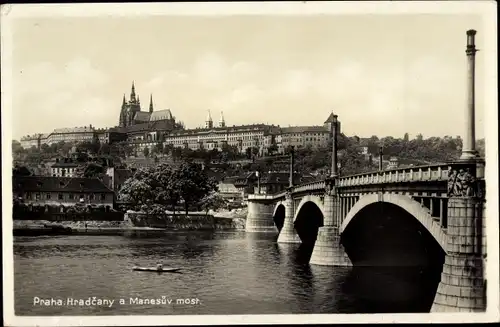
(275, 182)
(63, 168)
(229, 191)
(63, 191)
(303, 136)
(29, 141)
(116, 178)
(393, 163)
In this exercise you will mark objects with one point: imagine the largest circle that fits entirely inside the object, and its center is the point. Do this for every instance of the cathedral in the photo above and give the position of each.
(131, 113)
(145, 125)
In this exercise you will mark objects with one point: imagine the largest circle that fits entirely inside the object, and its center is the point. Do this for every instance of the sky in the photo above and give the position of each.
(381, 74)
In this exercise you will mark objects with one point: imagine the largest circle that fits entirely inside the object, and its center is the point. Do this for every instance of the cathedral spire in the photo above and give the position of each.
(132, 93)
(151, 103)
(124, 103)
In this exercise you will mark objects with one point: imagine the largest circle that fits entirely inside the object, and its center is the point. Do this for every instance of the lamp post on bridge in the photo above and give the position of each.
(257, 174)
(380, 158)
(469, 143)
(292, 155)
(334, 171)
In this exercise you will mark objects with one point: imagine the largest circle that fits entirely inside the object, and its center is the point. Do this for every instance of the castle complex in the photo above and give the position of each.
(147, 128)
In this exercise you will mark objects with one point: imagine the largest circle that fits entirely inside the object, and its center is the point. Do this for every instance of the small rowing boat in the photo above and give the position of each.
(155, 269)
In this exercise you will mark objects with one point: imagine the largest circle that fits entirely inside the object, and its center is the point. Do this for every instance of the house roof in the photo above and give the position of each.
(58, 184)
(330, 118)
(304, 129)
(65, 164)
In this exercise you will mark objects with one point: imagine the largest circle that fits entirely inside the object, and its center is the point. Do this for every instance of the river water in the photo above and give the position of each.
(223, 273)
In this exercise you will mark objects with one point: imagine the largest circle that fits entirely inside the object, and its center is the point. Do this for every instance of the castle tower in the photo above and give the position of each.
(151, 103)
(209, 122)
(222, 123)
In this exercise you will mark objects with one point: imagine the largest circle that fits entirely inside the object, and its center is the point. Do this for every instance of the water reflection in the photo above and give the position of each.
(231, 273)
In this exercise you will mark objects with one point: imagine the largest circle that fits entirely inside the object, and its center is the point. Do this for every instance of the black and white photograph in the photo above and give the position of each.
(235, 163)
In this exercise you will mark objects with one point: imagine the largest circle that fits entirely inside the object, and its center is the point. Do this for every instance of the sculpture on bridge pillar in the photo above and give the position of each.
(288, 193)
(330, 186)
(463, 183)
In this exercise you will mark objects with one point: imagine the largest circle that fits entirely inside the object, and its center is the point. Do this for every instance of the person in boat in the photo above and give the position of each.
(159, 267)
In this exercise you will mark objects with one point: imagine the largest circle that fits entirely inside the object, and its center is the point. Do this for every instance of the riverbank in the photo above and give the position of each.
(193, 221)
(133, 223)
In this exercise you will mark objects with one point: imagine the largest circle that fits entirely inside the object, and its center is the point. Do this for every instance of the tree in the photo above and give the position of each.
(105, 149)
(21, 171)
(212, 201)
(137, 192)
(272, 149)
(159, 147)
(193, 183)
(17, 147)
(90, 170)
(146, 152)
(167, 186)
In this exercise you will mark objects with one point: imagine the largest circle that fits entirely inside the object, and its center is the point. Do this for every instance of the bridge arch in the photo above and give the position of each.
(309, 198)
(308, 218)
(405, 202)
(279, 215)
(277, 205)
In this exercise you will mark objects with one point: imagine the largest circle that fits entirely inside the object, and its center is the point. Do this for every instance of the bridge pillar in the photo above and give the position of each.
(463, 286)
(327, 250)
(288, 233)
(260, 217)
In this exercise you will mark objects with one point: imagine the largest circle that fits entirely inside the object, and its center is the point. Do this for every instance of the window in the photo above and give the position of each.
(48, 196)
(71, 196)
(37, 196)
(60, 196)
(103, 196)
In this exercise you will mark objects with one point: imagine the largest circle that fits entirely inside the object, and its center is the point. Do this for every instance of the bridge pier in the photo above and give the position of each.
(260, 217)
(327, 250)
(462, 287)
(288, 233)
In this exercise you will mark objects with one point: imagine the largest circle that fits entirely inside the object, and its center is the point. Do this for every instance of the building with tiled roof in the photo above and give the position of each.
(64, 191)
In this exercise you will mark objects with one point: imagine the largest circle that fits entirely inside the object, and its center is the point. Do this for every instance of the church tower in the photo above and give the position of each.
(134, 105)
(151, 104)
(209, 122)
(123, 113)
(222, 123)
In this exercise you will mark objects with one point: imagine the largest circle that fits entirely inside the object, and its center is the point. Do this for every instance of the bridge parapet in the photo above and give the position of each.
(313, 186)
(410, 174)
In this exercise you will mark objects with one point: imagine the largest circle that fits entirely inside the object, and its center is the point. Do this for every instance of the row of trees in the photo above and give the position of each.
(225, 154)
(163, 187)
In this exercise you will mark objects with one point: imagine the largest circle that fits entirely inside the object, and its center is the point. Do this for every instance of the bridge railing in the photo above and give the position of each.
(437, 172)
(309, 186)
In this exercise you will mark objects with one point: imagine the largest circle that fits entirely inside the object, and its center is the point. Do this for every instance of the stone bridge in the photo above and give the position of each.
(437, 209)
(429, 216)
